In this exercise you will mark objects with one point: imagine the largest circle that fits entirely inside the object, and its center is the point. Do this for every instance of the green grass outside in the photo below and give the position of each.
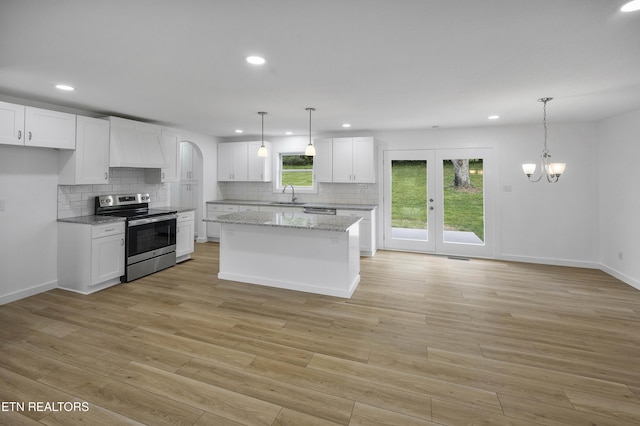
(463, 209)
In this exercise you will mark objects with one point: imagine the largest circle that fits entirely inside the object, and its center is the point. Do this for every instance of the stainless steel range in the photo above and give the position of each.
(151, 233)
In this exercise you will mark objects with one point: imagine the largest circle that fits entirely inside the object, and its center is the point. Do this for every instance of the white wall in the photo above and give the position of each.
(619, 205)
(28, 228)
(536, 222)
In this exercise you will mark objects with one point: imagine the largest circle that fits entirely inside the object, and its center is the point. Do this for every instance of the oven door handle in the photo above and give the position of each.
(155, 219)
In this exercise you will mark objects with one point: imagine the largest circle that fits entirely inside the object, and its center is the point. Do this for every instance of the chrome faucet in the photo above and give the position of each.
(293, 192)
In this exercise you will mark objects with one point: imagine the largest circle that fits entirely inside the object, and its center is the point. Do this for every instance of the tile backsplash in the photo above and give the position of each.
(78, 200)
(342, 193)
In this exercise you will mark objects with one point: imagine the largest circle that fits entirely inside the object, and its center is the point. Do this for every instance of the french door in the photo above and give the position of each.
(439, 201)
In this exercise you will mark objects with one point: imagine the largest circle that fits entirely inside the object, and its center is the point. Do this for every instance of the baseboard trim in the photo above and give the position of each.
(622, 277)
(21, 294)
(549, 261)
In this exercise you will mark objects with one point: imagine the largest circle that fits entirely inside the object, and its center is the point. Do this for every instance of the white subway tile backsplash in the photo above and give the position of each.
(78, 200)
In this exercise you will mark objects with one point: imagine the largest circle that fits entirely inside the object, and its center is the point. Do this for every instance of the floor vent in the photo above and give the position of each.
(458, 258)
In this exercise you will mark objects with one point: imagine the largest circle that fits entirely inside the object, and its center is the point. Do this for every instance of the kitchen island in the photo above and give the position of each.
(296, 251)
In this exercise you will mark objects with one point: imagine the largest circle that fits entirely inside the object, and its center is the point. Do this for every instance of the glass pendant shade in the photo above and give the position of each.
(311, 150)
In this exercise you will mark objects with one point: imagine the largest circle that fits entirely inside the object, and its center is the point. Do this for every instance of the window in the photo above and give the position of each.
(295, 169)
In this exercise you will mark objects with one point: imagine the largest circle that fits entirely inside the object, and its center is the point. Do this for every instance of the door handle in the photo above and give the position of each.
(431, 207)
(431, 200)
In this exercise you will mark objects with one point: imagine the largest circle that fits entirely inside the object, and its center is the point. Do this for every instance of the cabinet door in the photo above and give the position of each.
(225, 162)
(232, 161)
(323, 161)
(184, 238)
(342, 160)
(170, 146)
(49, 129)
(11, 124)
(107, 258)
(92, 151)
(258, 168)
(363, 160)
(240, 161)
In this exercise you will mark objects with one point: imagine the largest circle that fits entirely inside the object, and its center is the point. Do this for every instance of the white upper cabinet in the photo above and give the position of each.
(258, 168)
(232, 161)
(323, 160)
(89, 163)
(49, 129)
(354, 160)
(28, 126)
(135, 144)
(189, 170)
(170, 145)
(11, 124)
(239, 161)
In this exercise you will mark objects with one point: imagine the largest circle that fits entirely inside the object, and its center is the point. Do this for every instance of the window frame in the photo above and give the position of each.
(277, 182)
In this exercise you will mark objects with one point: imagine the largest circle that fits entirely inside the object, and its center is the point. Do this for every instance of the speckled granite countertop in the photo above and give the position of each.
(92, 220)
(289, 220)
(101, 219)
(312, 204)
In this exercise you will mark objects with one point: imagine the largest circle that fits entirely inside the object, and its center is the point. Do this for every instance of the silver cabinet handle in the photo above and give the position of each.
(163, 176)
(29, 135)
(19, 134)
(106, 175)
(122, 242)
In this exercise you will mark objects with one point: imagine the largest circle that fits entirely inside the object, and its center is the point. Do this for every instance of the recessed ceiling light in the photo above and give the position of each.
(493, 117)
(631, 6)
(239, 130)
(65, 87)
(256, 60)
(346, 125)
(288, 133)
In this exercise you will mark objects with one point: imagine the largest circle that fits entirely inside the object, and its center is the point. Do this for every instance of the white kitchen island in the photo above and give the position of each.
(305, 252)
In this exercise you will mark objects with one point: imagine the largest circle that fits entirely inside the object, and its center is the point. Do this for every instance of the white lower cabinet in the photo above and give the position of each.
(367, 229)
(90, 257)
(213, 211)
(185, 236)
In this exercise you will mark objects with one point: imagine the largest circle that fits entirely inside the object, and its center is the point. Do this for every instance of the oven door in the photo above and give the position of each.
(151, 237)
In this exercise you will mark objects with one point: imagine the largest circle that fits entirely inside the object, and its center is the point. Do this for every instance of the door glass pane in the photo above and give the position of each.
(409, 199)
(463, 201)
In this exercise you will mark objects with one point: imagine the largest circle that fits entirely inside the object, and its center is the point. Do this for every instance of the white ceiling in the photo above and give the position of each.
(377, 64)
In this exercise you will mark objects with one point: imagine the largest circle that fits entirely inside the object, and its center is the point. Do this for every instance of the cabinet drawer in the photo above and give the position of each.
(222, 208)
(185, 216)
(107, 229)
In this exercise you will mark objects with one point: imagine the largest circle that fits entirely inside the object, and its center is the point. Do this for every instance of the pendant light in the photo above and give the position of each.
(551, 170)
(311, 150)
(262, 151)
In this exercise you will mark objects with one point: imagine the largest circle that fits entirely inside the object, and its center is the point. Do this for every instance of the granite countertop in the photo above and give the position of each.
(339, 206)
(101, 219)
(92, 220)
(289, 220)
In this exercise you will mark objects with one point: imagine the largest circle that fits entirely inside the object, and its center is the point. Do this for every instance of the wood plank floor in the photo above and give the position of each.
(425, 340)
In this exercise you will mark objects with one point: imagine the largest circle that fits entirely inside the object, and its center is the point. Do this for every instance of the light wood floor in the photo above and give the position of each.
(425, 340)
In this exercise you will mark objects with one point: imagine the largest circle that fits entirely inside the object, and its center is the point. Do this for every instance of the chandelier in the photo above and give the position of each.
(551, 170)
